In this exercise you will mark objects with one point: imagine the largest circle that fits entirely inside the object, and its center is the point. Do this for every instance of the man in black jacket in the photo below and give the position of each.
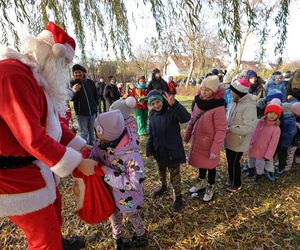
(85, 100)
(100, 87)
(158, 83)
(111, 92)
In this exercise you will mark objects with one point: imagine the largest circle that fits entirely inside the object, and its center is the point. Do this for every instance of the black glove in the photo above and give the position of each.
(266, 159)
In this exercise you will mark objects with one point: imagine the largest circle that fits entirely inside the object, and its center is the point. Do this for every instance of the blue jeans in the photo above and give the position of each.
(86, 127)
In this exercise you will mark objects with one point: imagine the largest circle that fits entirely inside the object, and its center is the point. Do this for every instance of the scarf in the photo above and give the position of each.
(209, 104)
(140, 86)
(111, 144)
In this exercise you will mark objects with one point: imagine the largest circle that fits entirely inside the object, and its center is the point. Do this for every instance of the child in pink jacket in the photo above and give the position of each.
(264, 140)
(207, 129)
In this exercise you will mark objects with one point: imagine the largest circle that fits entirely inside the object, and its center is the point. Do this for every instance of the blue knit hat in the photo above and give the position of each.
(251, 73)
(274, 93)
(154, 95)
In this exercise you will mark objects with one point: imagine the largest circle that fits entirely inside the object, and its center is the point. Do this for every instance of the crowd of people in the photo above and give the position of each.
(240, 113)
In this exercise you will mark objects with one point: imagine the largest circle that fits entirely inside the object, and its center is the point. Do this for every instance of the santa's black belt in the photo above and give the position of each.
(9, 162)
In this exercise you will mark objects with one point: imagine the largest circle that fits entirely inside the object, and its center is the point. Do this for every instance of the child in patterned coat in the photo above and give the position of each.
(118, 150)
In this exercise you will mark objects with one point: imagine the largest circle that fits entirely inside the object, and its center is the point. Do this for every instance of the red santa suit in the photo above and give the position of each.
(30, 127)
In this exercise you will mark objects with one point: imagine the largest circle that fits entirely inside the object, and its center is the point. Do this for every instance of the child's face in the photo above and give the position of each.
(156, 105)
(278, 79)
(253, 79)
(206, 93)
(227, 85)
(142, 81)
(272, 116)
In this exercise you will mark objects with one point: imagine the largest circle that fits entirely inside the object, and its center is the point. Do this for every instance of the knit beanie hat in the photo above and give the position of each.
(77, 67)
(154, 95)
(110, 125)
(155, 70)
(124, 105)
(296, 108)
(251, 73)
(273, 107)
(274, 93)
(276, 101)
(211, 82)
(227, 78)
(240, 87)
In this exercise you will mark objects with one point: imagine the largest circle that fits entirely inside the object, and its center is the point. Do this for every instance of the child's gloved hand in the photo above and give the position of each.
(170, 99)
(266, 159)
(212, 156)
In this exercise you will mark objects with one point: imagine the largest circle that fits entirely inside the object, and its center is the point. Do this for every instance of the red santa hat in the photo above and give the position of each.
(62, 44)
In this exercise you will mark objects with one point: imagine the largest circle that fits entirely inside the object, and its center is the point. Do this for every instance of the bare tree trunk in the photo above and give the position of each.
(241, 52)
(190, 70)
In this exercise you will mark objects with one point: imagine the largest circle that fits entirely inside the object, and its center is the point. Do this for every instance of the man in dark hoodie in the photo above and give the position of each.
(100, 87)
(157, 82)
(111, 92)
(85, 100)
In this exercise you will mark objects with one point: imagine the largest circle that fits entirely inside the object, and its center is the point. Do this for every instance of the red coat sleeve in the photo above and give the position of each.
(22, 102)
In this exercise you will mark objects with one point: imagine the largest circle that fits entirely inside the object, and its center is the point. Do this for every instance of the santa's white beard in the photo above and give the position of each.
(53, 70)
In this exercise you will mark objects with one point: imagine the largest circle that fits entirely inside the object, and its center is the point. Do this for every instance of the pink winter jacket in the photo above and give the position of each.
(264, 140)
(207, 134)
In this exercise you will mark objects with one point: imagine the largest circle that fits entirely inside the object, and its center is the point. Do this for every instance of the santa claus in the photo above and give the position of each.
(35, 149)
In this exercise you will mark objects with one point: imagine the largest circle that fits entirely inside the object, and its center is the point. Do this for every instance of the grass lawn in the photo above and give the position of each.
(264, 216)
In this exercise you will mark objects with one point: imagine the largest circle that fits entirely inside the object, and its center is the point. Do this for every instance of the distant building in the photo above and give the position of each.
(177, 65)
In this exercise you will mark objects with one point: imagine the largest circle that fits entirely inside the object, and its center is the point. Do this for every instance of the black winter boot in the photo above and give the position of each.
(119, 244)
(258, 178)
(251, 172)
(136, 241)
(160, 191)
(178, 203)
(74, 243)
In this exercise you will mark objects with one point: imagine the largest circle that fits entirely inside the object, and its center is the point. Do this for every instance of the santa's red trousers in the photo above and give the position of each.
(43, 227)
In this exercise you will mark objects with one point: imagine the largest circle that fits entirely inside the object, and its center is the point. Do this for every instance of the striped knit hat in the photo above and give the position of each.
(240, 87)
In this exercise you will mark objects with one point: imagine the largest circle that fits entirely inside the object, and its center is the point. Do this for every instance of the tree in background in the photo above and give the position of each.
(108, 20)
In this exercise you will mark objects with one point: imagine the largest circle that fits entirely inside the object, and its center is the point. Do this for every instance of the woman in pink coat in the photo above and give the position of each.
(207, 129)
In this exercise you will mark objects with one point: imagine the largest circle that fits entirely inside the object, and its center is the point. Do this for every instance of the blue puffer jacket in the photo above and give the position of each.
(280, 86)
(288, 130)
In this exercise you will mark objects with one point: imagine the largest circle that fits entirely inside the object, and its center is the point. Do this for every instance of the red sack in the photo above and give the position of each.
(94, 201)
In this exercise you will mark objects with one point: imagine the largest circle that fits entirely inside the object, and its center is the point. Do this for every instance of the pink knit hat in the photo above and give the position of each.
(110, 125)
(240, 86)
(296, 108)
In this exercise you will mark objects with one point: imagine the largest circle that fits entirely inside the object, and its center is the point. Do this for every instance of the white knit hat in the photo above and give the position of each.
(227, 78)
(211, 82)
(240, 86)
(124, 105)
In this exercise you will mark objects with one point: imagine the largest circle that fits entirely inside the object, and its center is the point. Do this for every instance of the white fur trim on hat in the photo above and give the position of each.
(59, 50)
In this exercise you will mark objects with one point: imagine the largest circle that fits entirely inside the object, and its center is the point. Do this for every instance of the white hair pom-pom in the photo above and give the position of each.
(59, 50)
(130, 102)
(276, 101)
